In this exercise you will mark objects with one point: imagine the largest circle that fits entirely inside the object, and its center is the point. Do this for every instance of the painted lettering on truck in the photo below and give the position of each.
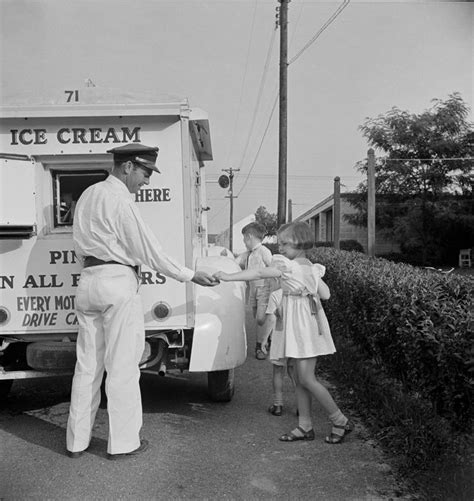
(76, 135)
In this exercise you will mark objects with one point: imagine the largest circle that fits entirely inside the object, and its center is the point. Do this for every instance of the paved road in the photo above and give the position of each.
(199, 450)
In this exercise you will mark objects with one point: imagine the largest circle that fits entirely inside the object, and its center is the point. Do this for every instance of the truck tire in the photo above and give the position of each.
(5, 386)
(51, 355)
(220, 385)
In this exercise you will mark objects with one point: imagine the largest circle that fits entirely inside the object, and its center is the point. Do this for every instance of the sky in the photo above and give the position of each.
(223, 56)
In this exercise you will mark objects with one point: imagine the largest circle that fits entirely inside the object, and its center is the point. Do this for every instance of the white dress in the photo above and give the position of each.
(305, 327)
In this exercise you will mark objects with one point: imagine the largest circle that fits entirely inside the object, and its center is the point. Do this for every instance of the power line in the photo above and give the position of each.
(260, 146)
(243, 81)
(209, 221)
(259, 96)
(295, 176)
(296, 25)
(439, 159)
(326, 25)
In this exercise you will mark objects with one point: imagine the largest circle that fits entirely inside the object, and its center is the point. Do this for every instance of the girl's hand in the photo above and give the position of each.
(265, 344)
(221, 276)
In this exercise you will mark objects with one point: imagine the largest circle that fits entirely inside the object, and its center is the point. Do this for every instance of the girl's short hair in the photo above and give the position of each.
(300, 234)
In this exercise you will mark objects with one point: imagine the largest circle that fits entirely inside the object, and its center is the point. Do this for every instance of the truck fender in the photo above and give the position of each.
(219, 340)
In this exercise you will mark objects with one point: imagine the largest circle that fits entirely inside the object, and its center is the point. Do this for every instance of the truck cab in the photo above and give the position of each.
(50, 152)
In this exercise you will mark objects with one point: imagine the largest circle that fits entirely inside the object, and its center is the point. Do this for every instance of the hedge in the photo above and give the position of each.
(408, 331)
(348, 245)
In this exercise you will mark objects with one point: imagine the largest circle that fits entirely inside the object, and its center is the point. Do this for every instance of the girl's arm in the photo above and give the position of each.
(323, 290)
(247, 275)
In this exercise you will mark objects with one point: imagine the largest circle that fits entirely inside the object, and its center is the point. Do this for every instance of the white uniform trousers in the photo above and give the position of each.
(111, 337)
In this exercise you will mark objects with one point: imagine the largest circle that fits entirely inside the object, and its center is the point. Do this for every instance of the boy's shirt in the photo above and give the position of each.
(259, 257)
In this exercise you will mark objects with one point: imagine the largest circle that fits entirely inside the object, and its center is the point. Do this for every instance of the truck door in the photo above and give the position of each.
(17, 203)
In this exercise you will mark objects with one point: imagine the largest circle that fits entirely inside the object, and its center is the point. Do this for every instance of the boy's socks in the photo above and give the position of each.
(278, 398)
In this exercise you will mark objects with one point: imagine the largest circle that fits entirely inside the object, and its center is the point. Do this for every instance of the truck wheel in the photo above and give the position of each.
(220, 385)
(5, 386)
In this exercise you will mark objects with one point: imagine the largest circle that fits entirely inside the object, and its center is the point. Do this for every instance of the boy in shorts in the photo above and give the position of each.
(257, 256)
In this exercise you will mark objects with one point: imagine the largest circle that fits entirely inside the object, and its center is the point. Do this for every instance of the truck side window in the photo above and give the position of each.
(67, 188)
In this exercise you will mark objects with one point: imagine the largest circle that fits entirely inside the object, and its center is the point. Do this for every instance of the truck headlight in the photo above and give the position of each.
(161, 311)
(4, 315)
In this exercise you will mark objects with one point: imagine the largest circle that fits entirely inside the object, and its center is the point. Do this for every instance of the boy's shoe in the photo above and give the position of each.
(259, 355)
(276, 410)
(143, 447)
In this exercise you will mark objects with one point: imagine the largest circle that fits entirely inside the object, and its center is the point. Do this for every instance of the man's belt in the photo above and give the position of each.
(94, 261)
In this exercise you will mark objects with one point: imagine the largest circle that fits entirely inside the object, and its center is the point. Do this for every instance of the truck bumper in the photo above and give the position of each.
(219, 340)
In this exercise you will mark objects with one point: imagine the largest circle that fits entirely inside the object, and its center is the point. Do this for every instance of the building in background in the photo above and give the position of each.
(321, 220)
(238, 245)
(222, 239)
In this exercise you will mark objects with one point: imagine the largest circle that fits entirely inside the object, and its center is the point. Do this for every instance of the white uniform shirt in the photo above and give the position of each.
(108, 226)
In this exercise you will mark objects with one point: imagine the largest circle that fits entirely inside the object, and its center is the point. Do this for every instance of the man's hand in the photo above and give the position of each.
(203, 278)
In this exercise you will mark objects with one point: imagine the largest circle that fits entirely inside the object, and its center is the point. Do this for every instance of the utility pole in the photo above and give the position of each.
(371, 202)
(282, 157)
(337, 212)
(231, 197)
(290, 210)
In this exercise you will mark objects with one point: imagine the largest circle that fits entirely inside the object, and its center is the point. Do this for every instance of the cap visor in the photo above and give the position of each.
(148, 165)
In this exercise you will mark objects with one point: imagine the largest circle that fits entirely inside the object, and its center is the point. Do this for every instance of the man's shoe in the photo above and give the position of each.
(75, 455)
(143, 447)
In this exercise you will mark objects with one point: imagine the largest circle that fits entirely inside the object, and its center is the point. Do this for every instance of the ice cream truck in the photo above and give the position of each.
(50, 153)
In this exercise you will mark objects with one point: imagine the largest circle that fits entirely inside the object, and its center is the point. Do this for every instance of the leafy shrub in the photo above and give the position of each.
(396, 257)
(351, 245)
(409, 330)
(324, 244)
(348, 245)
(273, 248)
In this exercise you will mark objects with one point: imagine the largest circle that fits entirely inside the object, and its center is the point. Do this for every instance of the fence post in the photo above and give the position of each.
(336, 212)
(371, 202)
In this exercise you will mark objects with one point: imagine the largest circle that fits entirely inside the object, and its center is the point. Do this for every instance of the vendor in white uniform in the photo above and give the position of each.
(111, 238)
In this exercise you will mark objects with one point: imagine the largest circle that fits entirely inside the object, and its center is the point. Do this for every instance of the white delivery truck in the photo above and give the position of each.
(49, 154)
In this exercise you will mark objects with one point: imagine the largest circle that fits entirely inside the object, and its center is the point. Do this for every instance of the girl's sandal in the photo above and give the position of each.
(335, 438)
(292, 437)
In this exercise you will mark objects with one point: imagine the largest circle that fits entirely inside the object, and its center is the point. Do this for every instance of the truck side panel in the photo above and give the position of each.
(39, 274)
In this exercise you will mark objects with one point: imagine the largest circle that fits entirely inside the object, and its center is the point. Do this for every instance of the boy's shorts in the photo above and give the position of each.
(258, 299)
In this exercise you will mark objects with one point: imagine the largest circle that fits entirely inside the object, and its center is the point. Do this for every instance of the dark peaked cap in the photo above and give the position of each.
(136, 153)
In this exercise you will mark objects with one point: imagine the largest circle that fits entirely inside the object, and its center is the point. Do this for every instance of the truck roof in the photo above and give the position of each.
(93, 101)
(90, 101)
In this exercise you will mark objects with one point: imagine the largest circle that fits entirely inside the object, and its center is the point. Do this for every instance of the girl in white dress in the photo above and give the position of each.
(306, 331)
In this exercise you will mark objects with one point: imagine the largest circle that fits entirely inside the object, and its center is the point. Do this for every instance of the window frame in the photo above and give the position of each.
(65, 163)
(57, 175)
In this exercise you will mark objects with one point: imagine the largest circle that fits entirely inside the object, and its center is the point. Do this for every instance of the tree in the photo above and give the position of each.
(424, 178)
(268, 220)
